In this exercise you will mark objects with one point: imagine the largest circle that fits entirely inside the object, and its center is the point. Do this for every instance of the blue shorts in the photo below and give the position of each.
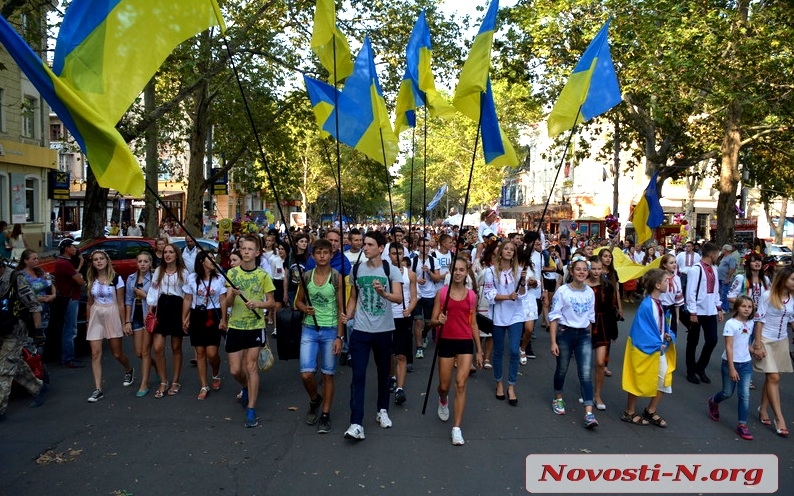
(316, 344)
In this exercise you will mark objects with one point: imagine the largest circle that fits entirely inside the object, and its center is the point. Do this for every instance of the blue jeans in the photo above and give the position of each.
(514, 332)
(69, 331)
(745, 371)
(725, 286)
(360, 345)
(578, 343)
(314, 343)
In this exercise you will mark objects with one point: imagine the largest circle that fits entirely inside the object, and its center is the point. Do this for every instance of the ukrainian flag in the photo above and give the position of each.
(105, 54)
(329, 44)
(418, 86)
(474, 97)
(593, 87)
(648, 214)
(362, 115)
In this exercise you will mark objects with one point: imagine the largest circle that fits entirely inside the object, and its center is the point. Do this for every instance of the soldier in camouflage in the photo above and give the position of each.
(12, 367)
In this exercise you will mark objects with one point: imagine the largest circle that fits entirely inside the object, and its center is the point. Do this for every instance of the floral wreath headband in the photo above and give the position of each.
(580, 258)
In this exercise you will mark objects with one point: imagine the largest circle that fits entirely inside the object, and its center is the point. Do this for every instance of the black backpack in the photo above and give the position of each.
(386, 270)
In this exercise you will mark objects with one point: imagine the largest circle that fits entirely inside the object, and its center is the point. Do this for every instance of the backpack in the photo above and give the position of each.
(386, 270)
(307, 276)
(9, 307)
(415, 263)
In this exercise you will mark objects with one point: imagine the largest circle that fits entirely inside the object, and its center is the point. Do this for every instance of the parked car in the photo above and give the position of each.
(210, 245)
(121, 250)
(781, 254)
(78, 235)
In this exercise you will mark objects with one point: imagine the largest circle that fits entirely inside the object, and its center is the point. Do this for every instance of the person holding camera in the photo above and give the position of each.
(203, 310)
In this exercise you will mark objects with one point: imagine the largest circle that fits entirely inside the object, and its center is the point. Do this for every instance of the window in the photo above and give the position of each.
(55, 133)
(29, 117)
(31, 199)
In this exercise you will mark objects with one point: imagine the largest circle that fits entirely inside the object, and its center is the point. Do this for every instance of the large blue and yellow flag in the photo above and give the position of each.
(105, 54)
(329, 44)
(648, 214)
(418, 86)
(362, 115)
(593, 87)
(473, 95)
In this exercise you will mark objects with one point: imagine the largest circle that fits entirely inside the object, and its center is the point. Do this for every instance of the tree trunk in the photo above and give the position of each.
(152, 226)
(95, 211)
(781, 225)
(729, 175)
(194, 210)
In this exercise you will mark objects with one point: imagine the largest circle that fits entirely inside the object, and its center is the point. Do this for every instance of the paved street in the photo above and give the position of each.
(177, 445)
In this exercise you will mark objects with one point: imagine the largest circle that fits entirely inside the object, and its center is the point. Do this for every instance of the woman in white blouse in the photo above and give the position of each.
(104, 313)
(505, 290)
(770, 346)
(165, 299)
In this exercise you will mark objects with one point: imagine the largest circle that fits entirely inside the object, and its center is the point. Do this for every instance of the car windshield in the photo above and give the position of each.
(783, 248)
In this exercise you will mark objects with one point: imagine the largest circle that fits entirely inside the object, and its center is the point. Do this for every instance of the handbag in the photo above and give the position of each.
(289, 323)
(266, 360)
(150, 321)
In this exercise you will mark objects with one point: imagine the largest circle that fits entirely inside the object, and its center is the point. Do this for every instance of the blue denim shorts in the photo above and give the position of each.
(316, 344)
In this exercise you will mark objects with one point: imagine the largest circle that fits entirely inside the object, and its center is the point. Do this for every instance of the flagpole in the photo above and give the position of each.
(388, 175)
(424, 175)
(445, 306)
(411, 190)
(338, 166)
(557, 175)
(271, 182)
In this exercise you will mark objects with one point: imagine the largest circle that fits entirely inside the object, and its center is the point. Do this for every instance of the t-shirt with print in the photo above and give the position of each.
(443, 261)
(207, 293)
(104, 294)
(373, 312)
(323, 300)
(253, 285)
(741, 332)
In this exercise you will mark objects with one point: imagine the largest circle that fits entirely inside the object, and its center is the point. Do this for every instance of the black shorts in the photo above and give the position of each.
(450, 348)
(402, 338)
(424, 309)
(278, 295)
(550, 285)
(243, 339)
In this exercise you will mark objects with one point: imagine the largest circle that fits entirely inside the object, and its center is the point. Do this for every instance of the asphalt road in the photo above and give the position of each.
(177, 445)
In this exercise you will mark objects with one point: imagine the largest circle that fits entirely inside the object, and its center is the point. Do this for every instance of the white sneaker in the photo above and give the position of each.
(355, 431)
(383, 418)
(457, 437)
(522, 359)
(443, 410)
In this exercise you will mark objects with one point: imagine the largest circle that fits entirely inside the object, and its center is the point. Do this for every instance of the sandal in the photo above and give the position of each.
(161, 390)
(633, 418)
(764, 421)
(175, 387)
(607, 373)
(654, 418)
(216, 382)
(203, 392)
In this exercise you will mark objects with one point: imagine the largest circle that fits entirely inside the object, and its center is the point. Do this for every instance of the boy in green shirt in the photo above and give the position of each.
(322, 331)
(246, 334)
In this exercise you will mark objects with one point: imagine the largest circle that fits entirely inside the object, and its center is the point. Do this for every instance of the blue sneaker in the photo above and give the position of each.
(250, 418)
(244, 397)
(590, 421)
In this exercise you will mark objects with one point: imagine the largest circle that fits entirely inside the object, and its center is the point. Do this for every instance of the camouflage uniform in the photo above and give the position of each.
(12, 367)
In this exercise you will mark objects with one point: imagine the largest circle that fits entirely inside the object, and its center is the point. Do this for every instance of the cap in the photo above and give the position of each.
(727, 247)
(488, 233)
(65, 243)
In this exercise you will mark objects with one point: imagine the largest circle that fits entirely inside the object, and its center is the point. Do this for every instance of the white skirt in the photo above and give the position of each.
(104, 322)
(530, 308)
